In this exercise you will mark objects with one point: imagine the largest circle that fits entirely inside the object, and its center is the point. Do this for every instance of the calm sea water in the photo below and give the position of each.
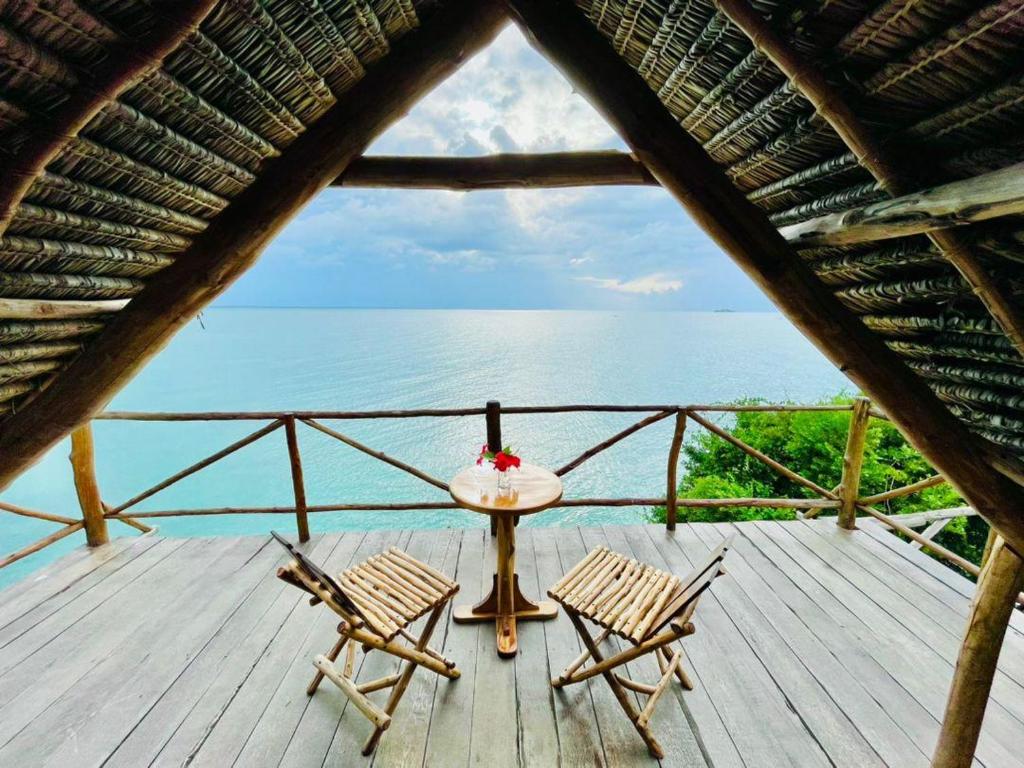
(285, 359)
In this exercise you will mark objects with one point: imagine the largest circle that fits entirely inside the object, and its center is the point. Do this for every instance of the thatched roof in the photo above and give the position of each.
(939, 82)
(149, 172)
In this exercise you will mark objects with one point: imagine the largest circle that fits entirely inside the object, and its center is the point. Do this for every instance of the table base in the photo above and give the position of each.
(523, 609)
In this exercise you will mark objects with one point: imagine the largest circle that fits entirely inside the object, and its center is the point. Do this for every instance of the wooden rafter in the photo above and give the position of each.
(988, 196)
(873, 155)
(561, 33)
(125, 64)
(504, 171)
(234, 240)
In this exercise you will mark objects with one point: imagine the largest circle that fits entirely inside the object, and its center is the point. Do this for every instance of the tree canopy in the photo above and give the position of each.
(811, 443)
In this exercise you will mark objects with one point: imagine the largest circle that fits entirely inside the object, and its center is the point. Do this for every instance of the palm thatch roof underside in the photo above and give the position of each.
(940, 82)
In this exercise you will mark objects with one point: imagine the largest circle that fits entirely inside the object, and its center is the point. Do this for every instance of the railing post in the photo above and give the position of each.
(853, 461)
(493, 417)
(83, 465)
(298, 483)
(672, 492)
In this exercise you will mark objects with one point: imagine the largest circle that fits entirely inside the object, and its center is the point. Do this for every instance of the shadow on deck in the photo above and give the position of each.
(819, 647)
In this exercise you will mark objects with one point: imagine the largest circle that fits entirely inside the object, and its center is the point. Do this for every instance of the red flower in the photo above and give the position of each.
(504, 461)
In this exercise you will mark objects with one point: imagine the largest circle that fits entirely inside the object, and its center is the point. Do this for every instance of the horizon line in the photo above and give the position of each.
(722, 311)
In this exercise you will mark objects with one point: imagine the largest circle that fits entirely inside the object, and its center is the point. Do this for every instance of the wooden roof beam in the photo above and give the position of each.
(561, 33)
(234, 240)
(503, 171)
(125, 64)
(983, 197)
(58, 309)
(886, 166)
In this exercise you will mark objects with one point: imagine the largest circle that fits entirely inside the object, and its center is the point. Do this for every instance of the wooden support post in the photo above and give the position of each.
(853, 461)
(672, 491)
(493, 417)
(298, 484)
(990, 542)
(998, 586)
(83, 465)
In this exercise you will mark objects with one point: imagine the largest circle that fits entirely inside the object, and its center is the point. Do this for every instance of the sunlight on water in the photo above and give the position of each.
(274, 359)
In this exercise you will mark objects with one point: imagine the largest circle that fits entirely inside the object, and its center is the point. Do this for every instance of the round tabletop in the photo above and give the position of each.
(534, 489)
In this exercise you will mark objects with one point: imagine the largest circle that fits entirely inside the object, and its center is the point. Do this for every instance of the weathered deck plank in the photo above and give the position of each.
(671, 723)
(439, 550)
(579, 742)
(818, 647)
(342, 736)
(450, 731)
(37, 587)
(537, 730)
(908, 659)
(888, 547)
(191, 705)
(737, 681)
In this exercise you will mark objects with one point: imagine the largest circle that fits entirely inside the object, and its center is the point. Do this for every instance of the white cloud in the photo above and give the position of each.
(579, 261)
(647, 285)
(505, 99)
(544, 211)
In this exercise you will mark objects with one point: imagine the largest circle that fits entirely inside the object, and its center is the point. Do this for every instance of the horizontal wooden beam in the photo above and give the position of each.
(47, 309)
(504, 171)
(450, 412)
(988, 196)
(419, 506)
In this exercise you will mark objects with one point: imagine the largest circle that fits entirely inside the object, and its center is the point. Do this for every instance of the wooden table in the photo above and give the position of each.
(534, 489)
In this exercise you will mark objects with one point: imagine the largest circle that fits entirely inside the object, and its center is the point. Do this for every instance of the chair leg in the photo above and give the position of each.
(684, 679)
(565, 677)
(403, 681)
(652, 701)
(332, 656)
(372, 712)
(620, 693)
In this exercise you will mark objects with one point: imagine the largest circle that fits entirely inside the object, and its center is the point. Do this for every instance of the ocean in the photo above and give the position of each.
(337, 359)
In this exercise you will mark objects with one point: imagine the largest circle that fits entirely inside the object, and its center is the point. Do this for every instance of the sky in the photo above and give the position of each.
(616, 248)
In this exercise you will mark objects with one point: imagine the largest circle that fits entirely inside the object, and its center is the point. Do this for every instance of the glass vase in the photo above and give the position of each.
(504, 481)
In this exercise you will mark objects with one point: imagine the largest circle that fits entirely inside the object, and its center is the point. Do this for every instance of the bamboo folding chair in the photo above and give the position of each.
(648, 608)
(377, 600)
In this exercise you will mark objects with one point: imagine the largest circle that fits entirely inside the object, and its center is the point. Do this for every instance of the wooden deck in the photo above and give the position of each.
(819, 648)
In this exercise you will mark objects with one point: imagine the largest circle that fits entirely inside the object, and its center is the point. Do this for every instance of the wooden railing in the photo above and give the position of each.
(845, 497)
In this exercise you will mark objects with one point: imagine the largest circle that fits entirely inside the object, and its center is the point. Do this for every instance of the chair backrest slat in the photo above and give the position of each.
(691, 588)
(315, 574)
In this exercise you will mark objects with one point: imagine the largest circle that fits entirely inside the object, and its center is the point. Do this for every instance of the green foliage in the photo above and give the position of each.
(812, 444)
